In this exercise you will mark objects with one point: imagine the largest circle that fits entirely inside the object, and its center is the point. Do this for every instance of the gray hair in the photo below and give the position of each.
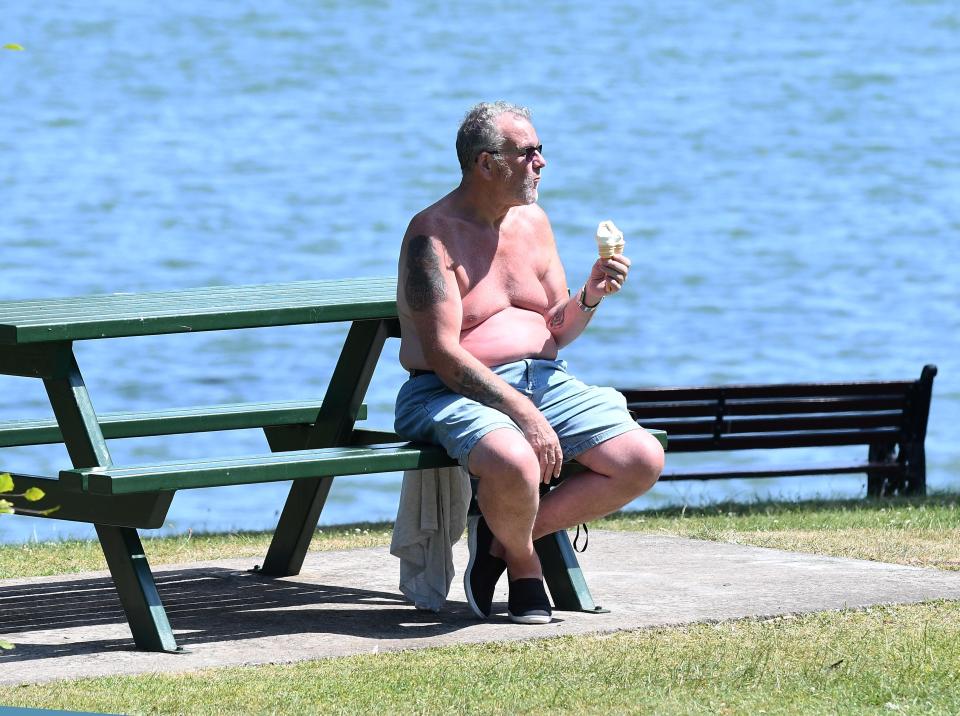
(478, 132)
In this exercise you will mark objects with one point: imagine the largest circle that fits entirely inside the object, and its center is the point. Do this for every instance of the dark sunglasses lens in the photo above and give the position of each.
(532, 151)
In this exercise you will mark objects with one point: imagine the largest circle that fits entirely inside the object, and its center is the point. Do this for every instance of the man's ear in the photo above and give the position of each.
(486, 164)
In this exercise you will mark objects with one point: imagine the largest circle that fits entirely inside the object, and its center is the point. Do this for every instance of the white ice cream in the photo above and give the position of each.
(609, 239)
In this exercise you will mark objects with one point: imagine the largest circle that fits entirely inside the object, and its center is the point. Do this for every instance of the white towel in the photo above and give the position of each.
(431, 518)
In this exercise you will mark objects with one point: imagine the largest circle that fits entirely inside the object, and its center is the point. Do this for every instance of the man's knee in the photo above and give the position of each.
(633, 461)
(646, 461)
(504, 455)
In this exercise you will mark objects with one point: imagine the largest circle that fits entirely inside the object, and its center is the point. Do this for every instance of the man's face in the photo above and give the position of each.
(520, 159)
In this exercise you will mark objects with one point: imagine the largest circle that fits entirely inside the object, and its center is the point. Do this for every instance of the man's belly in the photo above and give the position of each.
(509, 335)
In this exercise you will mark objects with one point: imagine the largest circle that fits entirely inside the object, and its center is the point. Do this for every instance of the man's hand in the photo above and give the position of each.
(545, 443)
(607, 276)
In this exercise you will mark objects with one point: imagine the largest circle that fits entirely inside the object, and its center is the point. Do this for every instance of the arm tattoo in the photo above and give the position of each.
(424, 286)
(473, 385)
(559, 317)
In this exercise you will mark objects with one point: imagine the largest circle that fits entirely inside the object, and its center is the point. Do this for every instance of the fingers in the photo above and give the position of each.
(615, 270)
(617, 266)
(551, 460)
(546, 446)
(550, 457)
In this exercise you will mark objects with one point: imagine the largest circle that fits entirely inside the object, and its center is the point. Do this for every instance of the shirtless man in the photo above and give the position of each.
(484, 307)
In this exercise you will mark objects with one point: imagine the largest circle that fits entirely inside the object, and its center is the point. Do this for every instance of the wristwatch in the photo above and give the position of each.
(582, 301)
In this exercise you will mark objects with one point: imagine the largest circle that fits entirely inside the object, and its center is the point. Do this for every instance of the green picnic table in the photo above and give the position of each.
(310, 441)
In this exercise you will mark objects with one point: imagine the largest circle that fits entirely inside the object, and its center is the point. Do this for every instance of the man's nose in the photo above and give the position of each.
(539, 160)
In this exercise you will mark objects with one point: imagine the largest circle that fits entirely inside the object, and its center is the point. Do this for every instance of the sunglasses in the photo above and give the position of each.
(528, 153)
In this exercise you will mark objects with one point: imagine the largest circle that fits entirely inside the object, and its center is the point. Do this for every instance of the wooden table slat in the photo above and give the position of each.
(293, 288)
(300, 294)
(217, 308)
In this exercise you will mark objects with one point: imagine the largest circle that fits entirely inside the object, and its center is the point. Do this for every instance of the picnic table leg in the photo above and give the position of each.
(335, 421)
(121, 545)
(299, 518)
(563, 575)
(136, 588)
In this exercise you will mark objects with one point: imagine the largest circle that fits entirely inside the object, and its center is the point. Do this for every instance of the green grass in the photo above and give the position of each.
(881, 660)
(875, 661)
(916, 531)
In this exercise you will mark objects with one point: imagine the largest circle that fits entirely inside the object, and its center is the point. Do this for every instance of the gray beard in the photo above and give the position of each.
(528, 193)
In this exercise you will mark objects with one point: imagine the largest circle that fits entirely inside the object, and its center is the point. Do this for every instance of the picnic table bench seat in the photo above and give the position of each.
(268, 467)
(375, 452)
(170, 421)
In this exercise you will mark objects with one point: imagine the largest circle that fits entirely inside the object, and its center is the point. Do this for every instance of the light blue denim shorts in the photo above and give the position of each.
(582, 415)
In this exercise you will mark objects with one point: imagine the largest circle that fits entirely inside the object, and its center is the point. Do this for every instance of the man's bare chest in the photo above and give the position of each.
(488, 290)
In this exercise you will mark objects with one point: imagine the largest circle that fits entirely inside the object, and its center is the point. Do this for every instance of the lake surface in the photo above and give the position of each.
(787, 176)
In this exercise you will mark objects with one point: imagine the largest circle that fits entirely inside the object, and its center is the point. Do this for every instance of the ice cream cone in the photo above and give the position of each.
(609, 239)
(608, 251)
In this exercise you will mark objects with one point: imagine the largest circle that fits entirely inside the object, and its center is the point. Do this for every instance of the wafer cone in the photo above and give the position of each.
(609, 239)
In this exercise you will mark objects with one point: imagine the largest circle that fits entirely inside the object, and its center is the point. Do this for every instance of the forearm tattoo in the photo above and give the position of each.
(473, 385)
(559, 317)
(424, 286)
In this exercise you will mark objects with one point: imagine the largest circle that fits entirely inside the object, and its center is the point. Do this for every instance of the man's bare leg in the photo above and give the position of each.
(618, 470)
(508, 492)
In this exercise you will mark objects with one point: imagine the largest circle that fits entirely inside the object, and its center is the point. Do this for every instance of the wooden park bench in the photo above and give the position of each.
(311, 442)
(889, 418)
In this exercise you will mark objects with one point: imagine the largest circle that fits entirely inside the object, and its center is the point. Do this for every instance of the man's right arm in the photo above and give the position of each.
(433, 301)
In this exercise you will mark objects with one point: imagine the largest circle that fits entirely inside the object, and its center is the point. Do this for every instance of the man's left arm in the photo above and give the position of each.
(569, 315)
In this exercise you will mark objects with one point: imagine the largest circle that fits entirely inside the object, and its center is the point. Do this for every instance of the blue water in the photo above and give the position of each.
(787, 175)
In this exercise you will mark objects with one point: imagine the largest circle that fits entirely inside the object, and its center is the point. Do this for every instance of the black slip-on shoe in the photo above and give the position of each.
(483, 569)
(529, 603)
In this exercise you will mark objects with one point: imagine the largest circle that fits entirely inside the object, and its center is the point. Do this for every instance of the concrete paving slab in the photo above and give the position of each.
(348, 603)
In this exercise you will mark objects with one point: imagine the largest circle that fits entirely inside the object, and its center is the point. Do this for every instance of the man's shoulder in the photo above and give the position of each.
(530, 221)
(441, 224)
(428, 222)
(435, 221)
(533, 213)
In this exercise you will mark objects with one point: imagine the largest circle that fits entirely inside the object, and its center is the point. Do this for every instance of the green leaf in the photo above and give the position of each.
(6, 507)
(33, 494)
(6, 482)
(13, 46)
(4, 644)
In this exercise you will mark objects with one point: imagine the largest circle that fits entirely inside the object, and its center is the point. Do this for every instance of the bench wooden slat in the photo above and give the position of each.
(774, 390)
(273, 467)
(756, 441)
(727, 472)
(210, 418)
(793, 423)
(697, 408)
(215, 308)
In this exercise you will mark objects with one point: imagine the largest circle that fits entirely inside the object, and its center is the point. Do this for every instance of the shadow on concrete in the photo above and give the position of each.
(211, 604)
